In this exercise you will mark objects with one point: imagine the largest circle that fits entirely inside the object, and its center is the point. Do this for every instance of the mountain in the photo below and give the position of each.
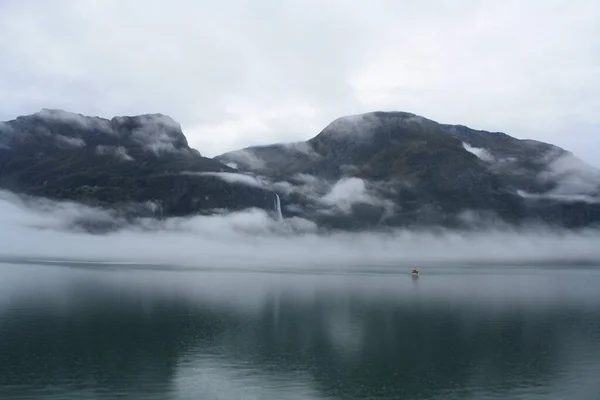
(373, 170)
(141, 163)
(400, 169)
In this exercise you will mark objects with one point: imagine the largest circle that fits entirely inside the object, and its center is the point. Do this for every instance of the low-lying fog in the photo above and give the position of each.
(44, 229)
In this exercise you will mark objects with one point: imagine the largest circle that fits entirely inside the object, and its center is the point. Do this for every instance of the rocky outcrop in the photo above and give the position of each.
(144, 160)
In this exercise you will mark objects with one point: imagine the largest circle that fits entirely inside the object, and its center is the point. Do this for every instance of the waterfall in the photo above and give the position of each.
(277, 206)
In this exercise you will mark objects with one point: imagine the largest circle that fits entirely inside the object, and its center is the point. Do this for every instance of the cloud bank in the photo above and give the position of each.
(490, 65)
(251, 239)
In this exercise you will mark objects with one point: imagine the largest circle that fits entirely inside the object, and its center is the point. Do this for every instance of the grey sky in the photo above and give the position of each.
(238, 73)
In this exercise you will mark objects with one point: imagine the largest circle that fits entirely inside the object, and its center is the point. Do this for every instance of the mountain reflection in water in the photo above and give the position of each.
(74, 333)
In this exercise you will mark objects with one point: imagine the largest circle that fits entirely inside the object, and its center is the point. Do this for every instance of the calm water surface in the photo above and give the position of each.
(103, 332)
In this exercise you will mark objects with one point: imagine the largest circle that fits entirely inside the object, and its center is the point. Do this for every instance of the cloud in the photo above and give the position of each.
(360, 126)
(157, 133)
(482, 154)
(566, 198)
(154, 132)
(323, 196)
(331, 197)
(572, 176)
(6, 134)
(40, 213)
(78, 120)
(306, 185)
(246, 159)
(41, 229)
(5, 128)
(69, 141)
(117, 151)
(232, 177)
(571, 179)
(269, 80)
(347, 192)
(302, 147)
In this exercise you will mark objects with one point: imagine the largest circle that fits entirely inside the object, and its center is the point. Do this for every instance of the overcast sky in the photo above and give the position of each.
(239, 73)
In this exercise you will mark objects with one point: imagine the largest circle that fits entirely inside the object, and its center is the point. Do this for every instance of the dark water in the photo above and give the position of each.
(122, 332)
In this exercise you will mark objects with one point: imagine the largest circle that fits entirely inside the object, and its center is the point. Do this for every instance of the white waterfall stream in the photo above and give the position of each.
(277, 206)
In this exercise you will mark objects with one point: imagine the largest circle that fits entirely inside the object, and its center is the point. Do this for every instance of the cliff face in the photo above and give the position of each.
(143, 160)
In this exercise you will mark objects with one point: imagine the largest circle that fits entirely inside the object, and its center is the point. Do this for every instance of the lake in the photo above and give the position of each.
(103, 331)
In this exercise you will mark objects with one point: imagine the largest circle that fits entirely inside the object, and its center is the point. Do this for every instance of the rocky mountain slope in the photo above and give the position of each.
(141, 164)
(400, 169)
(380, 169)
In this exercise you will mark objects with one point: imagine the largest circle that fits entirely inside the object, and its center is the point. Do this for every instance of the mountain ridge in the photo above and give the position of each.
(364, 171)
(420, 162)
(143, 160)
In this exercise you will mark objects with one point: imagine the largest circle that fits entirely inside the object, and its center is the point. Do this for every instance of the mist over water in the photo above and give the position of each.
(246, 306)
(41, 229)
